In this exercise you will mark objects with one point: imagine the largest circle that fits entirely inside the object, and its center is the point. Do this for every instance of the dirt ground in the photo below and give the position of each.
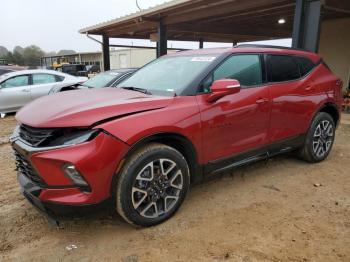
(264, 212)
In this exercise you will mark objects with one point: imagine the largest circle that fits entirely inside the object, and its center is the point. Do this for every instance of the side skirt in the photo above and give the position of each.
(262, 153)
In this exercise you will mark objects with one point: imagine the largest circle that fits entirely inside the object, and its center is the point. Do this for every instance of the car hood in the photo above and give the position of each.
(82, 108)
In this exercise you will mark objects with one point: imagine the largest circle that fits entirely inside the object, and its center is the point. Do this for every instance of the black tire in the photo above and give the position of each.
(318, 145)
(161, 192)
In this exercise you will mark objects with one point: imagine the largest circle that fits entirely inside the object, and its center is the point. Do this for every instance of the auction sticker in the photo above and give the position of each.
(203, 59)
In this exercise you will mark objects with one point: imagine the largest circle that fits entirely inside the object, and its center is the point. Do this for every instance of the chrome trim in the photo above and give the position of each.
(233, 86)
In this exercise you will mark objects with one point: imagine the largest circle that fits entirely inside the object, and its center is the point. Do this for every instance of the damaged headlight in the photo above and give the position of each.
(73, 137)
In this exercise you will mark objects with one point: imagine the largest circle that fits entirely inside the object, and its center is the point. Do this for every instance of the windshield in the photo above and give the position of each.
(170, 74)
(101, 80)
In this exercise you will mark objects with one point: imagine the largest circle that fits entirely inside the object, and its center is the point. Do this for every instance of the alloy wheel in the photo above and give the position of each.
(157, 188)
(323, 138)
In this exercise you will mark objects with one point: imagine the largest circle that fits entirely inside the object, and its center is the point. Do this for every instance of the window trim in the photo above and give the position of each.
(262, 65)
(294, 57)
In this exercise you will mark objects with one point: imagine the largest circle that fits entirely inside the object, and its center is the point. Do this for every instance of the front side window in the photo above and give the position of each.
(16, 81)
(281, 68)
(39, 79)
(244, 68)
(170, 74)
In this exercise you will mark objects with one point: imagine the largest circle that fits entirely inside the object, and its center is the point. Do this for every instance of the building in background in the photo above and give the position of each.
(119, 58)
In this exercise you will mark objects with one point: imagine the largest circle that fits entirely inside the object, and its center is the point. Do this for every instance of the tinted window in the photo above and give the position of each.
(244, 68)
(39, 79)
(305, 65)
(282, 68)
(16, 81)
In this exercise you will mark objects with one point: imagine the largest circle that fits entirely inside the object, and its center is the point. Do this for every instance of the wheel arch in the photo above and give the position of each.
(178, 142)
(331, 109)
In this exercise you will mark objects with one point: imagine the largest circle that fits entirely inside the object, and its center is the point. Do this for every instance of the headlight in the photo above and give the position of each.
(73, 137)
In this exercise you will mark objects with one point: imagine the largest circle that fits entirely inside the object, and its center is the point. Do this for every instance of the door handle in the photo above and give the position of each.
(25, 90)
(261, 100)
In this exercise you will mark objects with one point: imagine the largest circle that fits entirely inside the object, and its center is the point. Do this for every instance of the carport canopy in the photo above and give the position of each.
(228, 21)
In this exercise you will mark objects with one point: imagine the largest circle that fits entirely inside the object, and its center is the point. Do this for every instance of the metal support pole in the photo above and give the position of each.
(307, 24)
(105, 53)
(162, 47)
(201, 42)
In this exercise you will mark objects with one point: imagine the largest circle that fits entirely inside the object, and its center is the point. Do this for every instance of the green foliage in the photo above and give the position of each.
(28, 56)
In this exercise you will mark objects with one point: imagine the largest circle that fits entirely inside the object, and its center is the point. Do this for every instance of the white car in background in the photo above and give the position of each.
(21, 87)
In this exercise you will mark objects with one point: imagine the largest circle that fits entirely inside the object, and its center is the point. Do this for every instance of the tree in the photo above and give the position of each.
(32, 55)
(9, 57)
(17, 58)
(3, 51)
(66, 52)
(18, 49)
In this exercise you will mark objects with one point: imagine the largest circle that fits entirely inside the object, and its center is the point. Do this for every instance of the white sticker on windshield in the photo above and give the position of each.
(203, 59)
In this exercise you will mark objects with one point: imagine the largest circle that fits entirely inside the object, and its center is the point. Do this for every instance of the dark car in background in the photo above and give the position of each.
(73, 69)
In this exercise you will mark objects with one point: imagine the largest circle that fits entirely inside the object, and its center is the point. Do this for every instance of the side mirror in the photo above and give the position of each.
(223, 87)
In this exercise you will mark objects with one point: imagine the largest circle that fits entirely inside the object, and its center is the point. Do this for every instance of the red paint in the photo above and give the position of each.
(237, 122)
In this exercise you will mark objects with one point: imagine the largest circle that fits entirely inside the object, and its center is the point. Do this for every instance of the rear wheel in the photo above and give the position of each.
(319, 139)
(152, 185)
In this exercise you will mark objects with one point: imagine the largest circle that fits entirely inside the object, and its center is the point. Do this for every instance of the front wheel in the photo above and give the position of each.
(152, 185)
(319, 139)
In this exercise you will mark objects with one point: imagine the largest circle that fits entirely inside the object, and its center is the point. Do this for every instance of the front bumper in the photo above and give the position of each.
(97, 161)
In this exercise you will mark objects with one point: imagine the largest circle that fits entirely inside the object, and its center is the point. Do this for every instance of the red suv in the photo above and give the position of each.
(178, 119)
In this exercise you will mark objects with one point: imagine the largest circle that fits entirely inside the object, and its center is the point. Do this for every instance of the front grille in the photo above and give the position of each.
(24, 167)
(37, 136)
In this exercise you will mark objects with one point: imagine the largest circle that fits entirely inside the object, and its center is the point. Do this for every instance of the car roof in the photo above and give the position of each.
(250, 49)
(34, 71)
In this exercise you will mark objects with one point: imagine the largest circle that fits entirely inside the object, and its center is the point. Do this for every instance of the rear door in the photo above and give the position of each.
(292, 92)
(14, 93)
(235, 123)
(42, 83)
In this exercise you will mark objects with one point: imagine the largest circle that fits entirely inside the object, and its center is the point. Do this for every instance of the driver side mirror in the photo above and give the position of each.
(223, 87)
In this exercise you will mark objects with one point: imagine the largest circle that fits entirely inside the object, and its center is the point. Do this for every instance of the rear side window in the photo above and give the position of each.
(281, 68)
(305, 65)
(43, 79)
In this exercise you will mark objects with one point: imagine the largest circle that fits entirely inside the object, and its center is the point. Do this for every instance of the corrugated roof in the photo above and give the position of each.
(145, 12)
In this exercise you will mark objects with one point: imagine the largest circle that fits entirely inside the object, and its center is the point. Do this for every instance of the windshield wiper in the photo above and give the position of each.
(137, 89)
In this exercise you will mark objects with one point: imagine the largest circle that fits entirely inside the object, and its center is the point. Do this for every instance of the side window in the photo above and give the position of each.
(59, 78)
(16, 81)
(282, 68)
(244, 68)
(305, 65)
(39, 79)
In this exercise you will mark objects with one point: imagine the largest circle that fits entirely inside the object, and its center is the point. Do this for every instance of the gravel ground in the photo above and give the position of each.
(281, 210)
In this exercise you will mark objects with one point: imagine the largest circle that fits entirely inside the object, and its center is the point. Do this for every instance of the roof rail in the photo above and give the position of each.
(267, 46)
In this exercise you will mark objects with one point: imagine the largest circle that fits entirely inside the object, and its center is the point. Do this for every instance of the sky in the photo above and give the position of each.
(53, 25)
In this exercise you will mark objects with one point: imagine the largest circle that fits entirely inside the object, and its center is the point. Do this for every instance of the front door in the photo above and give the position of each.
(235, 123)
(14, 93)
